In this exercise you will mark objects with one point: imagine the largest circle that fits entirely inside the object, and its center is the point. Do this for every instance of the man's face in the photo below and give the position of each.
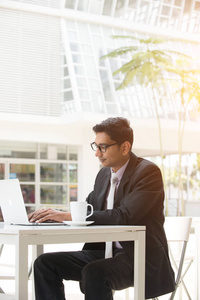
(113, 157)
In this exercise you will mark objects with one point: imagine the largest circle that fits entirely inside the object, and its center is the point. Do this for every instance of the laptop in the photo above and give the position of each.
(12, 205)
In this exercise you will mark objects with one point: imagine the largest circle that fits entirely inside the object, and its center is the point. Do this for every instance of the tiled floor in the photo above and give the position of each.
(7, 262)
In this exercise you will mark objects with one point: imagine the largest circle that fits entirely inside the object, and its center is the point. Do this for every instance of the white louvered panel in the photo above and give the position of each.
(29, 63)
(47, 3)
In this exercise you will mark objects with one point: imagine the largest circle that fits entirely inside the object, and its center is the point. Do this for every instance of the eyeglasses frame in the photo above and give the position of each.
(99, 147)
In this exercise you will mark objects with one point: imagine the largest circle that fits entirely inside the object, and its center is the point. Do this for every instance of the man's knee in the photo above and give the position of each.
(40, 261)
(95, 278)
(92, 271)
(94, 274)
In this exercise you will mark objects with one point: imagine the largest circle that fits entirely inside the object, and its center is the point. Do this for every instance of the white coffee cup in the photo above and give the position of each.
(79, 211)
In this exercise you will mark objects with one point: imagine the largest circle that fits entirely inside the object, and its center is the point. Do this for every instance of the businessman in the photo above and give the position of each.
(139, 200)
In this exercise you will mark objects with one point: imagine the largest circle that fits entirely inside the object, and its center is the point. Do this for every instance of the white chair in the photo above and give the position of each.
(177, 230)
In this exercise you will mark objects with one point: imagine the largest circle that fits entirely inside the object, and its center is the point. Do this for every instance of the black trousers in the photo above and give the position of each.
(97, 276)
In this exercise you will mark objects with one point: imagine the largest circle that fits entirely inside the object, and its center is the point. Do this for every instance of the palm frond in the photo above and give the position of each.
(153, 41)
(125, 37)
(120, 51)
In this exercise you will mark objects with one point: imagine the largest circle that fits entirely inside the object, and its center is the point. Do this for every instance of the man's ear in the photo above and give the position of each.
(126, 147)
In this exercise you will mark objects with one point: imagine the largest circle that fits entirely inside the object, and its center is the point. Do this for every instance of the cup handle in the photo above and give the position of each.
(91, 207)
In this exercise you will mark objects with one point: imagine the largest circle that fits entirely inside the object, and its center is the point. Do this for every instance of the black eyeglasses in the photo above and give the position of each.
(101, 148)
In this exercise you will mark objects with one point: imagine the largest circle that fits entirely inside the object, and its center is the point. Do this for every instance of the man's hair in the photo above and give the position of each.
(118, 129)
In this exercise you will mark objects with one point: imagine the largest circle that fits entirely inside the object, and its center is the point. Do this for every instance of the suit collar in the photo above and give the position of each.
(104, 183)
(126, 177)
(131, 165)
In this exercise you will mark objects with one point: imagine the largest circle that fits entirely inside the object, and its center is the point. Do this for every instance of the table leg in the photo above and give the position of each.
(139, 267)
(21, 269)
(36, 251)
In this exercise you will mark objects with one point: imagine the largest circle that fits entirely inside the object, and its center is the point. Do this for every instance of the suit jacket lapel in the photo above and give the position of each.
(105, 181)
(126, 178)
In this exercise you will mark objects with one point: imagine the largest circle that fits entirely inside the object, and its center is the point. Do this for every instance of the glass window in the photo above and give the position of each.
(73, 192)
(67, 96)
(79, 70)
(28, 193)
(77, 58)
(97, 101)
(73, 156)
(2, 171)
(107, 7)
(87, 49)
(178, 2)
(112, 109)
(72, 173)
(72, 36)
(83, 94)
(50, 172)
(107, 32)
(98, 50)
(90, 66)
(62, 152)
(24, 172)
(72, 150)
(81, 82)
(95, 7)
(83, 32)
(18, 150)
(43, 151)
(114, 66)
(94, 84)
(64, 59)
(83, 5)
(86, 106)
(165, 10)
(67, 83)
(69, 4)
(75, 47)
(52, 194)
(70, 24)
(66, 72)
(104, 75)
(56, 181)
(109, 97)
(95, 29)
(30, 209)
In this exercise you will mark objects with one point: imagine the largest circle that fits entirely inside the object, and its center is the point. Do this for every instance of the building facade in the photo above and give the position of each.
(55, 87)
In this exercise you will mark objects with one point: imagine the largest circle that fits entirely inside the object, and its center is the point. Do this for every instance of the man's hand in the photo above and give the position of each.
(49, 214)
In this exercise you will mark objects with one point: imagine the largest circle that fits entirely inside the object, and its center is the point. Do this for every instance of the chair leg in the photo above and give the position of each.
(1, 249)
(185, 289)
(29, 272)
(173, 294)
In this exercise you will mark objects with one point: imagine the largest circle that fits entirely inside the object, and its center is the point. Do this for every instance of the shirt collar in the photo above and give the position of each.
(120, 172)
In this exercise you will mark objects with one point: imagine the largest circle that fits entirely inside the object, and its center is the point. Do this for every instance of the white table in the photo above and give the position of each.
(37, 236)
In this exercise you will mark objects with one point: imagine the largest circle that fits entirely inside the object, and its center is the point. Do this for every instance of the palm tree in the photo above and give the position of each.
(148, 67)
(188, 88)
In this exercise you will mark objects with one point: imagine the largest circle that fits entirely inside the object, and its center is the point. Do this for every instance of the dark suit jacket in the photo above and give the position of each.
(139, 201)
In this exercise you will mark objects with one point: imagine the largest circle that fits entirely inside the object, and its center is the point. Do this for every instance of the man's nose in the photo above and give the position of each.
(98, 153)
